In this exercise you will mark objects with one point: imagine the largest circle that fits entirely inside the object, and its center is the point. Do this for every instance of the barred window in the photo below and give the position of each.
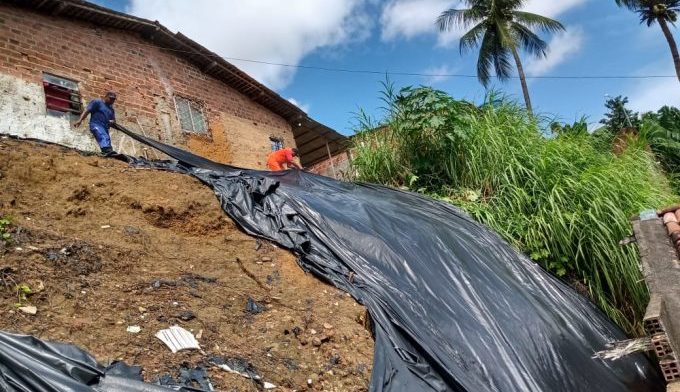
(61, 96)
(277, 143)
(190, 115)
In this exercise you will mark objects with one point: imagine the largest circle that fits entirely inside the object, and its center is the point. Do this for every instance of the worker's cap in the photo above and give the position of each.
(111, 94)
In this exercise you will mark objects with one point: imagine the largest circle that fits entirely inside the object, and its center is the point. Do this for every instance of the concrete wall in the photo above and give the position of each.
(23, 114)
(146, 79)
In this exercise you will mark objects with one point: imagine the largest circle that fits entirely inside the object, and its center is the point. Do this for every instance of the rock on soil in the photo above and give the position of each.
(168, 256)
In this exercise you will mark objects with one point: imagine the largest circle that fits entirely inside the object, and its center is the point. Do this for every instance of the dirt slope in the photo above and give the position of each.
(105, 246)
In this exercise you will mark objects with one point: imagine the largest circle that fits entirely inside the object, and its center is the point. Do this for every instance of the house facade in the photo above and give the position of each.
(338, 166)
(58, 55)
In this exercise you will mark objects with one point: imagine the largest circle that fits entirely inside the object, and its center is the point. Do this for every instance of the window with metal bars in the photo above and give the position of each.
(277, 143)
(190, 115)
(61, 96)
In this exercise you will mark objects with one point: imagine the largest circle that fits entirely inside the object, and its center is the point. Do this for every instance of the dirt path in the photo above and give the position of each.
(105, 246)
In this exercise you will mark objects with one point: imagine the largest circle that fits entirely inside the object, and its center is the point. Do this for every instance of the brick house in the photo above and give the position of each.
(338, 166)
(57, 55)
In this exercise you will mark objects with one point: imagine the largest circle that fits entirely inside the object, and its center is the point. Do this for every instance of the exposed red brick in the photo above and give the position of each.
(145, 77)
(340, 161)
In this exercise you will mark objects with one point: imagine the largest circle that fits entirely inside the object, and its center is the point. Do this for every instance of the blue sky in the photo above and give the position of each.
(399, 36)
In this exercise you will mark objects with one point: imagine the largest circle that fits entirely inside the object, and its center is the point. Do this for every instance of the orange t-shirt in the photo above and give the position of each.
(278, 158)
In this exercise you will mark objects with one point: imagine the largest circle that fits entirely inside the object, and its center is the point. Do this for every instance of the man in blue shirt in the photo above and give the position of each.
(100, 121)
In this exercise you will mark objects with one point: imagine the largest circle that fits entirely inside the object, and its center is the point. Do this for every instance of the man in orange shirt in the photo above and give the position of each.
(283, 159)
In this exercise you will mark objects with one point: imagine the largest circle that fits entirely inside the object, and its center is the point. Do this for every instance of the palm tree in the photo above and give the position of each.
(661, 11)
(500, 30)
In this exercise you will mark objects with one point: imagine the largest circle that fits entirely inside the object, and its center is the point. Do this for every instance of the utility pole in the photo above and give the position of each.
(623, 109)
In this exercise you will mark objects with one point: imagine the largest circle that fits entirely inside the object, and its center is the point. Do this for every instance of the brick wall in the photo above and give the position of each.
(146, 79)
(341, 163)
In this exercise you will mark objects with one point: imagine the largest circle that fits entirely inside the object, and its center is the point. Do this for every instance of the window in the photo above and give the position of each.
(190, 115)
(277, 143)
(61, 96)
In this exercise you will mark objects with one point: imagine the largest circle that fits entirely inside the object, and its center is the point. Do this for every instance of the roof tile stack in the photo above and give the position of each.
(667, 358)
(671, 219)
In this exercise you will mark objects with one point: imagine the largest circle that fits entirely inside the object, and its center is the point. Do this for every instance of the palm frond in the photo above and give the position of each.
(507, 4)
(454, 17)
(632, 5)
(501, 53)
(506, 38)
(650, 11)
(528, 41)
(503, 63)
(649, 21)
(543, 23)
(486, 60)
(472, 38)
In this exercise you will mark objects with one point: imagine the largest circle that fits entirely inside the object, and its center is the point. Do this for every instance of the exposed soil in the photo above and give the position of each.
(104, 246)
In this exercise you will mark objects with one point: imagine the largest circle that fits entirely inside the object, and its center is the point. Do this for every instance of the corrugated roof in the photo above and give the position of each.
(310, 135)
(315, 141)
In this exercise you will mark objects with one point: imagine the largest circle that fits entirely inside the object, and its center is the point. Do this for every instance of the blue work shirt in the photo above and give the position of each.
(100, 113)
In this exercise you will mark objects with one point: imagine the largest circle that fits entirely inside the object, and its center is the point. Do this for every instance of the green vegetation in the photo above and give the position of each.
(663, 12)
(659, 130)
(618, 116)
(500, 29)
(562, 199)
(5, 235)
(23, 292)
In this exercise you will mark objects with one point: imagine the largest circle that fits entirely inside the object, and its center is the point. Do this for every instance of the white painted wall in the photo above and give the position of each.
(23, 114)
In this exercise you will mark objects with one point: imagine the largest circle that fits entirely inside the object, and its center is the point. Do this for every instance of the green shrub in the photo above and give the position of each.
(5, 235)
(562, 200)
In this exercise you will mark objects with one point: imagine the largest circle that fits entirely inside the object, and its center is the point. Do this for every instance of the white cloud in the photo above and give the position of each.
(562, 47)
(439, 74)
(651, 94)
(268, 30)
(303, 106)
(411, 18)
(552, 8)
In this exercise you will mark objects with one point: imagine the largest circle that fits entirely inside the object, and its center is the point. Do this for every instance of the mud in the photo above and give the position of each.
(103, 246)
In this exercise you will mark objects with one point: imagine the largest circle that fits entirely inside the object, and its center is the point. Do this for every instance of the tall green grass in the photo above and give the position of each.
(560, 199)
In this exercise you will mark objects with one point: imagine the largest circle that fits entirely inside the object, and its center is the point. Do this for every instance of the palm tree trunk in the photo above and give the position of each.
(671, 43)
(523, 80)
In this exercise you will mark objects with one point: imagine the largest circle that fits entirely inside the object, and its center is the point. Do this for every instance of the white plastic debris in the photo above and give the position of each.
(134, 328)
(178, 338)
(265, 384)
(106, 226)
(227, 368)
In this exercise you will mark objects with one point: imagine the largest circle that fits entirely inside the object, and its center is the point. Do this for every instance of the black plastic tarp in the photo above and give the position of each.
(28, 364)
(455, 307)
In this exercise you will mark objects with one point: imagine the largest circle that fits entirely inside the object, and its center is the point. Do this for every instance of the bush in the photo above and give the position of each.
(5, 235)
(562, 200)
